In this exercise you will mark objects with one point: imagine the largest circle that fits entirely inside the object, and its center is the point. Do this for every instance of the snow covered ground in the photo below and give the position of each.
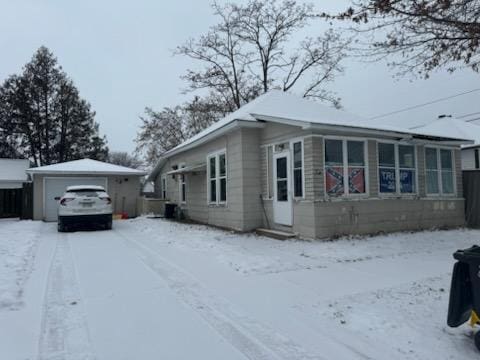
(18, 241)
(153, 289)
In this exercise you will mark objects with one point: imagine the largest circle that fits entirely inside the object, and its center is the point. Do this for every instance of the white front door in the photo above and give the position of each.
(282, 201)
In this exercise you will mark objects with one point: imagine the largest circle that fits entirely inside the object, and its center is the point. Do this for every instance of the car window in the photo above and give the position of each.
(86, 192)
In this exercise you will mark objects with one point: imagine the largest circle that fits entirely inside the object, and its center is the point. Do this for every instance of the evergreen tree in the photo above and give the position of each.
(43, 116)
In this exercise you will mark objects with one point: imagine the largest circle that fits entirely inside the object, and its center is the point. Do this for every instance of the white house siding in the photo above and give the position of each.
(317, 216)
(386, 215)
(242, 211)
(251, 179)
(275, 132)
(250, 189)
(372, 161)
(421, 170)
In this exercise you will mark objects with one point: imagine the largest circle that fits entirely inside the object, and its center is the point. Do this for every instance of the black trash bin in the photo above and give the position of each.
(170, 210)
(465, 288)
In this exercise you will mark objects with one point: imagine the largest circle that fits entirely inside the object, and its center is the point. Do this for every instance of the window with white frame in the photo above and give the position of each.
(387, 175)
(183, 186)
(344, 164)
(396, 168)
(164, 187)
(217, 178)
(297, 169)
(439, 171)
(406, 173)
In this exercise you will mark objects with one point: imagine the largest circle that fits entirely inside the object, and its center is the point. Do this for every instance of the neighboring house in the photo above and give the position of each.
(470, 161)
(49, 183)
(12, 178)
(291, 164)
(13, 173)
(463, 129)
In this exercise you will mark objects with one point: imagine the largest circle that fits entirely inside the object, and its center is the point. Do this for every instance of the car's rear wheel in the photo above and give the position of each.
(61, 227)
(108, 225)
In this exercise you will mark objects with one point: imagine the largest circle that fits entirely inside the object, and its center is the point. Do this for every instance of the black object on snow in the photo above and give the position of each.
(465, 288)
(170, 210)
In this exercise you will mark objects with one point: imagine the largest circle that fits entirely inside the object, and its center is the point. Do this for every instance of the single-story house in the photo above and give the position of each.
(49, 183)
(463, 129)
(294, 165)
(12, 177)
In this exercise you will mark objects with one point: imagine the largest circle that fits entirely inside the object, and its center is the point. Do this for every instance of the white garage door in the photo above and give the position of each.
(55, 187)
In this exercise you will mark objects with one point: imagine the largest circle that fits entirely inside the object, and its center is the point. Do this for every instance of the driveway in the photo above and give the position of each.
(153, 289)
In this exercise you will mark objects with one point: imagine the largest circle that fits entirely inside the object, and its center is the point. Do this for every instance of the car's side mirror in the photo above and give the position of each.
(57, 198)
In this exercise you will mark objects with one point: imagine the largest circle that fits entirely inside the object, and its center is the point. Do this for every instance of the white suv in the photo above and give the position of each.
(84, 204)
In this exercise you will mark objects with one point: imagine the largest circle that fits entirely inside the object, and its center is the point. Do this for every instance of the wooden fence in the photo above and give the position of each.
(17, 203)
(471, 193)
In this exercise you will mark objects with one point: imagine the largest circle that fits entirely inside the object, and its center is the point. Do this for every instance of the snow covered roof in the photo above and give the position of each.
(279, 106)
(86, 166)
(453, 127)
(12, 170)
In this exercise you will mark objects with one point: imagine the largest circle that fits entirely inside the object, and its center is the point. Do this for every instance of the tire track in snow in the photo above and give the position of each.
(256, 341)
(64, 333)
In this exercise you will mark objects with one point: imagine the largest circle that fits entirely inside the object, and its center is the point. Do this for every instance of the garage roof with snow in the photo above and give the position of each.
(87, 167)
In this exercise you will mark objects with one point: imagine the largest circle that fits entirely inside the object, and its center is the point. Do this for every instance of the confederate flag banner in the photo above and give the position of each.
(334, 180)
(356, 180)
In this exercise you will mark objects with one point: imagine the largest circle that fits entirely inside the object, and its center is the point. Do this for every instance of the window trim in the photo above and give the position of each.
(292, 168)
(217, 177)
(346, 193)
(397, 192)
(182, 181)
(163, 181)
(439, 172)
(269, 193)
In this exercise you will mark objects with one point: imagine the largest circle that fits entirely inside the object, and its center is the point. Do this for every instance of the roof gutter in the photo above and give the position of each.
(214, 134)
(349, 128)
(33, 172)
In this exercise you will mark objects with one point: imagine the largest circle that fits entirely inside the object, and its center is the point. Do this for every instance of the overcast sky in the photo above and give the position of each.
(119, 53)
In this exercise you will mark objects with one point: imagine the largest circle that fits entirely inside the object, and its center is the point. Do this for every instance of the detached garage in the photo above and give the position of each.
(49, 183)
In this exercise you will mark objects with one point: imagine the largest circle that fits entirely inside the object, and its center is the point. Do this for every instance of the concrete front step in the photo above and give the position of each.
(276, 234)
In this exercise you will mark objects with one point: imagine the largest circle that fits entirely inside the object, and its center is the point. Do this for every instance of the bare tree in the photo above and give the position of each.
(200, 113)
(160, 131)
(250, 51)
(163, 130)
(123, 158)
(427, 34)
